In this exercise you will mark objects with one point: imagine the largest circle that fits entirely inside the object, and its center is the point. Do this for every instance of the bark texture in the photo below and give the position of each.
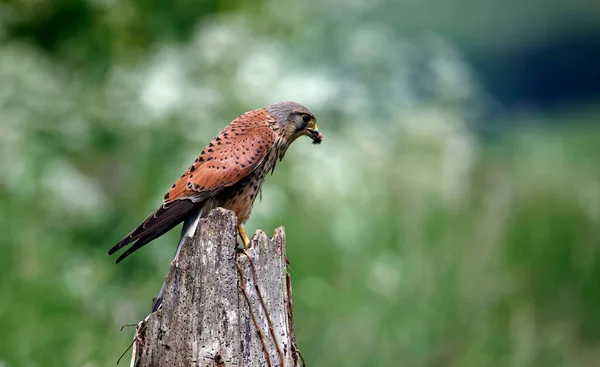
(212, 313)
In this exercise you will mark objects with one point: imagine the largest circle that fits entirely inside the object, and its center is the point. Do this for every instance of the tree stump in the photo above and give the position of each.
(213, 311)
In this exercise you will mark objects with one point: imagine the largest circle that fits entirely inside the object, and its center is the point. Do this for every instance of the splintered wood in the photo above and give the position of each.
(223, 306)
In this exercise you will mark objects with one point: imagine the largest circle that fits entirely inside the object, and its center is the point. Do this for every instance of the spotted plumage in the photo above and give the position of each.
(228, 172)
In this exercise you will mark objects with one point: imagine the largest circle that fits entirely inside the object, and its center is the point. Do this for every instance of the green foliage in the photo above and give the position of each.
(411, 241)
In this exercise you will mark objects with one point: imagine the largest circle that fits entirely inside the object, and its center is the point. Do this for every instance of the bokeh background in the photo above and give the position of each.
(451, 216)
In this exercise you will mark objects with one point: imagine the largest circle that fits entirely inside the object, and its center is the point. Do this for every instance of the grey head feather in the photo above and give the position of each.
(281, 111)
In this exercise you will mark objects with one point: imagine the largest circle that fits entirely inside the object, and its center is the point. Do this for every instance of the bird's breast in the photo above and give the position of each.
(240, 197)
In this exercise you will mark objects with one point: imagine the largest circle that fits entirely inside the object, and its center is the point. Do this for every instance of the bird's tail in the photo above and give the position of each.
(189, 228)
(158, 223)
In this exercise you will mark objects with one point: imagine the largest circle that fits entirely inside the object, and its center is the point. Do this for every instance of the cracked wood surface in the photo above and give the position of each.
(205, 319)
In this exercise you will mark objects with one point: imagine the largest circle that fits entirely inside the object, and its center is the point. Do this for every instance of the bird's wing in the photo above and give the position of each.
(237, 151)
(225, 161)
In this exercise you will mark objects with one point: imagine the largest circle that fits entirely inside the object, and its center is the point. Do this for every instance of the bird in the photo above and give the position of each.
(228, 173)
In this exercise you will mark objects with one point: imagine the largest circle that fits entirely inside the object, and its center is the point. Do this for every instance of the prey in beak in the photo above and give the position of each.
(315, 135)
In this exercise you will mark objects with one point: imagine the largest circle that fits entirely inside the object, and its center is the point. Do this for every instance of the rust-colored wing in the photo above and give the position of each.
(231, 156)
(237, 151)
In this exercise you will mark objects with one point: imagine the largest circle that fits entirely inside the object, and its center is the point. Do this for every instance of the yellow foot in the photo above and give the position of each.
(244, 238)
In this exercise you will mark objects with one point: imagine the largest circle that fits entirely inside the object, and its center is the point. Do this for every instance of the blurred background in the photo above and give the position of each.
(451, 216)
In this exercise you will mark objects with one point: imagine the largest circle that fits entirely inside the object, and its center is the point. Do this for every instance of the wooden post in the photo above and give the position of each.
(213, 311)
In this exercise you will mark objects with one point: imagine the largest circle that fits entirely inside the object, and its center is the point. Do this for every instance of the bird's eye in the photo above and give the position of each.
(306, 118)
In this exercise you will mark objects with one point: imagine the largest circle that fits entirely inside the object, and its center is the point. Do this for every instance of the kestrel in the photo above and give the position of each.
(228, 173)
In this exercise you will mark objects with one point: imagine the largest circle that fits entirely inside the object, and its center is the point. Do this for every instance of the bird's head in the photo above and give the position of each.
(295, 120)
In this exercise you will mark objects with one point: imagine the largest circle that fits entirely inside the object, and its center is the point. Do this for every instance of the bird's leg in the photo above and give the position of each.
(243, 237)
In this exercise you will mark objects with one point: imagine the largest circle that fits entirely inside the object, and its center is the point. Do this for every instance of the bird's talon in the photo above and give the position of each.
(243, 236)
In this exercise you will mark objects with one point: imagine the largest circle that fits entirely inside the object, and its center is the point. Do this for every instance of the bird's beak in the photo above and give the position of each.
(315, 135)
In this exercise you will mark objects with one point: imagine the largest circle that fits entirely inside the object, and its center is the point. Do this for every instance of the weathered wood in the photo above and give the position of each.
(205, 319)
